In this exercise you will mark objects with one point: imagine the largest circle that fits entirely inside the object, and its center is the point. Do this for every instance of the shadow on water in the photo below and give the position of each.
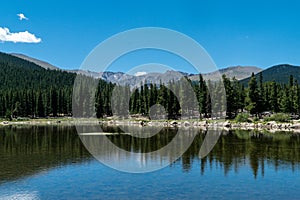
(30, 150)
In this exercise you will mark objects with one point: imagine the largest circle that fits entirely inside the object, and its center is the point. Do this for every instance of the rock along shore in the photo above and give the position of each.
(271, 126)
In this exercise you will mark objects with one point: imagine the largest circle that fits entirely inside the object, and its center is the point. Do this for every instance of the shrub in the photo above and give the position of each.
(242, 117)
(278, 117)
(255, 119)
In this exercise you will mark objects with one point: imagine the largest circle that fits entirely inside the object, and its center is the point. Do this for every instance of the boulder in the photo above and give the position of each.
(195, 123)
(227, 124)
(173, 123)
(186, 123)
(202, 123)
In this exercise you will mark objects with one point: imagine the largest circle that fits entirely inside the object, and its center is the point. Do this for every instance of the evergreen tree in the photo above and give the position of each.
(274, 97)
(202, 97)
(261, 95)
(231, 101)
(253, 96)
(40, 105)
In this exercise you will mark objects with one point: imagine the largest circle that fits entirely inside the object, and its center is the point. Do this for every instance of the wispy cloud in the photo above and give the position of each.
(25, 37)
(22, 16)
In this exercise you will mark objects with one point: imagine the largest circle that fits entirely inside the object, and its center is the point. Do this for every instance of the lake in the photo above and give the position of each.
(50, 162)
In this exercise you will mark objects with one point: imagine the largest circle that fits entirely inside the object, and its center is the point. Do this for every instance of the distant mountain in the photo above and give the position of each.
(238, 72)
(47, 65)
(278, 73)
(35, 61)
(86, 73)
(132, 80)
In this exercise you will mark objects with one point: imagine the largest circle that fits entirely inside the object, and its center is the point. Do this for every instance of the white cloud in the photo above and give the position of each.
(22, 16)
(25, 37)
(140, 73)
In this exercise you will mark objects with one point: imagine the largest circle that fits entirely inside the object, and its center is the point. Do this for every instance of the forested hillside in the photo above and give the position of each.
(28, 90)
(277, 73)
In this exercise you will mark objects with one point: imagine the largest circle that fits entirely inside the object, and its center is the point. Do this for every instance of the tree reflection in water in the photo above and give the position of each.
(27, 150)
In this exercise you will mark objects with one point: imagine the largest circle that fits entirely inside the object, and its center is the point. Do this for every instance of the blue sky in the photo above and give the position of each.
(247, 33)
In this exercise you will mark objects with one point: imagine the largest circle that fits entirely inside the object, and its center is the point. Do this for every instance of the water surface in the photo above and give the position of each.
(50, 162)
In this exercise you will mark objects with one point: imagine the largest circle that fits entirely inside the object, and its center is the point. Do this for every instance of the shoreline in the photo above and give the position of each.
(271, 126)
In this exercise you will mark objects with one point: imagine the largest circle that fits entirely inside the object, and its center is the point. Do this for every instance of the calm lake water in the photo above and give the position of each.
(51, 163)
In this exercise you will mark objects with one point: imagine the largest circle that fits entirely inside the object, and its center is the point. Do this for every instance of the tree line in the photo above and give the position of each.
(28, 90)
(55, 101)
(256, 97)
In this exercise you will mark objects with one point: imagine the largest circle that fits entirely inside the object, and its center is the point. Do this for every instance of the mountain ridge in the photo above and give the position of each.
(279, 73)
(239, 72)
(41, 63)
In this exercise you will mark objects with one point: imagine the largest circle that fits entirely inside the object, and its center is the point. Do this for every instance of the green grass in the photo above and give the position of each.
(278, 117)
(242, 117)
